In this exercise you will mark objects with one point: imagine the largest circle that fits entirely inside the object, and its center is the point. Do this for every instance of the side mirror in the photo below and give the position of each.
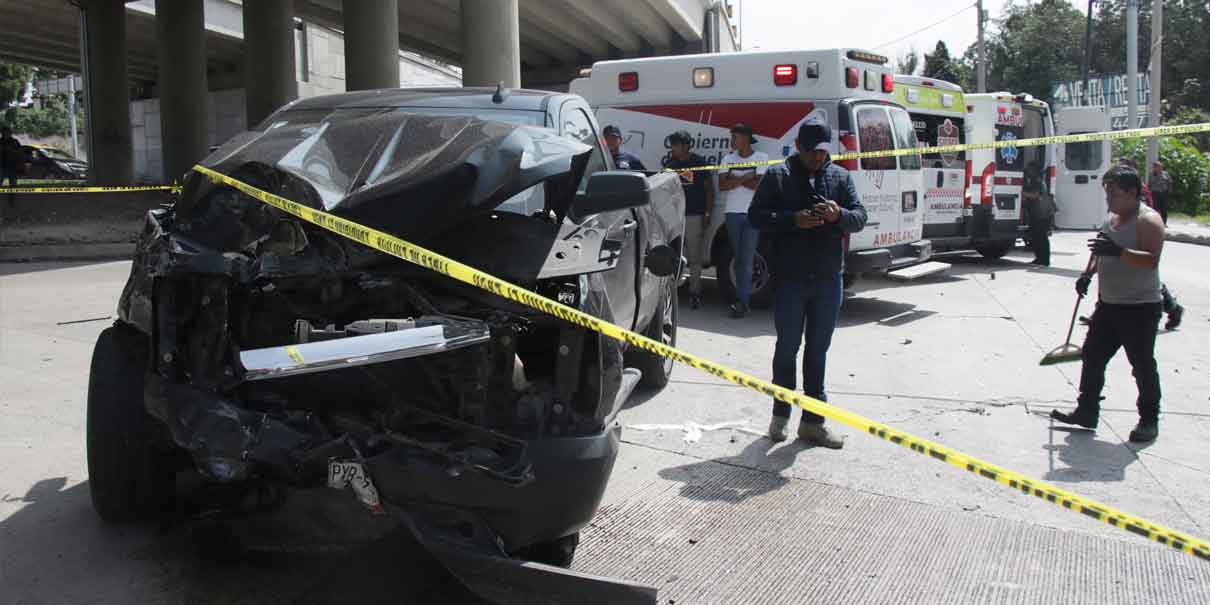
(612, 190)
(662, 261)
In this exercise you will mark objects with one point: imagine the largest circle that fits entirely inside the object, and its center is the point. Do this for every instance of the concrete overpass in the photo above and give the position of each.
(178, 50)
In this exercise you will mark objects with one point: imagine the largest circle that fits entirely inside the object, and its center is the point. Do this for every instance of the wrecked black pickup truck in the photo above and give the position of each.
(258, 349)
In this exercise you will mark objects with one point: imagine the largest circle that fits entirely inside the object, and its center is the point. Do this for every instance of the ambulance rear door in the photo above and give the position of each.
(1078, 193)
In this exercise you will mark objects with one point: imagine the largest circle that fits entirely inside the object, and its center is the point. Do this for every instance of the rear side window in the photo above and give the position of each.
(905, 138)
(940, 131)
(1083, 156)
(874, 134)
(576, 125)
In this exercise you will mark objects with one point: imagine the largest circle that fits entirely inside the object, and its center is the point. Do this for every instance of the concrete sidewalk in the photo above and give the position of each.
(1188, 232)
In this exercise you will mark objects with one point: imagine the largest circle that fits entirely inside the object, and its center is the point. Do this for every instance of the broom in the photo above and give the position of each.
(1068, 351)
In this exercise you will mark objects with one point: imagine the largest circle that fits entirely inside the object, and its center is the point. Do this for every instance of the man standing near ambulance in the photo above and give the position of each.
(806, 205)
(738, 186)
(1129, 305)
(699, 204)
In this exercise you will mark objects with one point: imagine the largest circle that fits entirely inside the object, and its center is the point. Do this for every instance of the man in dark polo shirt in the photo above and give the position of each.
(699, 204)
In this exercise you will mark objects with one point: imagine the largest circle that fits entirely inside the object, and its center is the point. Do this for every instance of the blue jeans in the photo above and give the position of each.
(804, 310)
(743, 237)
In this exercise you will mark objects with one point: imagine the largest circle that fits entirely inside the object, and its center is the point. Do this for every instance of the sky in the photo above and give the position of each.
(869, 24)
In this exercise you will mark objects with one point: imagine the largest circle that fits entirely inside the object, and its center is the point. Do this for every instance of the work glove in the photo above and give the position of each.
(1103, 246)
(1083, 283)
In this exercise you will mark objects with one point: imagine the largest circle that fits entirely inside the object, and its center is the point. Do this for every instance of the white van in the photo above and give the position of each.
(774, 92)
(1078, 193)
(998, 175)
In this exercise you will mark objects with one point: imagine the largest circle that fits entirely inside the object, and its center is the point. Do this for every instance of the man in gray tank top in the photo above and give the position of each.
(1127, 315)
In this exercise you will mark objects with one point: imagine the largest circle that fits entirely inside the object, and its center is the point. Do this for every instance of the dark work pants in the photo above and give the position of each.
(804, 311)
(1161, 204)
(1039, 238)
(1130, 327)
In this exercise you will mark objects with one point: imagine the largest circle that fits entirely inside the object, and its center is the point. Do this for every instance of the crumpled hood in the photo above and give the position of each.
(410, 174)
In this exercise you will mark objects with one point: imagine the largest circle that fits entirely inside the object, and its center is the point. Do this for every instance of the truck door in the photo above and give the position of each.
(1078, 192)
(621, 226)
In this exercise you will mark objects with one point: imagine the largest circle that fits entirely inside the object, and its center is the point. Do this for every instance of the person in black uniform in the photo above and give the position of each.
(622, 160)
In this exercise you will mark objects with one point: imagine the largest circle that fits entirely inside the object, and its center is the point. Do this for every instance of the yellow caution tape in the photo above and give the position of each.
(172, 188)
(295, 356)
(1158, 131)
(412, 253)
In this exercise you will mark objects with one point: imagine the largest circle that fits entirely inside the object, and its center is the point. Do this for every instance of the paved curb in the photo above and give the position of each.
(23, 254)
(1188, 238)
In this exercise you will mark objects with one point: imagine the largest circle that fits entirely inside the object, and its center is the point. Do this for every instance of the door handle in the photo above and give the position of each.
(630, 225)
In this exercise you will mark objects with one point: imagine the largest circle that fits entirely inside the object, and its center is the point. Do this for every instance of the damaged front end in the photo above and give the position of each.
(280, 352)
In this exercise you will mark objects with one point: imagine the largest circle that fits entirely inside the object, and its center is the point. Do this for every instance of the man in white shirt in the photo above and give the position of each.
(738, 185)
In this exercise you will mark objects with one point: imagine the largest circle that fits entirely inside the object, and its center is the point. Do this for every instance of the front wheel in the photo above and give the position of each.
(128, 478)
(657, 369)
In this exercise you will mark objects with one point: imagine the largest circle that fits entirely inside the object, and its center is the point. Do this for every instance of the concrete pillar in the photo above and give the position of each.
(269, 78)
(184, 97)
(491, 43)
(371, 44)
(110, 152)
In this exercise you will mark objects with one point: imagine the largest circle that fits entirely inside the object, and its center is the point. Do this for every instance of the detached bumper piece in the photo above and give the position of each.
(354, 351)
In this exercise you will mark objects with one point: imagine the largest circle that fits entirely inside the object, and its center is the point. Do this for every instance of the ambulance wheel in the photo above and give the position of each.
(994, 250)
(762, 278)
(128, 478)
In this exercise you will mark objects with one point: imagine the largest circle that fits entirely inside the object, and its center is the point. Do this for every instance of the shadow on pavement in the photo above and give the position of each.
(1088, 458)
(56, 550)
(709, 479)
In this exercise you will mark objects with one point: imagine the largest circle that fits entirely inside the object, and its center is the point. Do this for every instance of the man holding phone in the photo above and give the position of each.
(806, 205)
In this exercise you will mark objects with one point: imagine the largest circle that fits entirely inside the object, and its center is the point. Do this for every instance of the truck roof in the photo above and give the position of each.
(518, 99)
(1024, 99)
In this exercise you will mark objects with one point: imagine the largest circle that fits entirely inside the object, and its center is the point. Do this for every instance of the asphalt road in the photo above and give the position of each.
(720, 515)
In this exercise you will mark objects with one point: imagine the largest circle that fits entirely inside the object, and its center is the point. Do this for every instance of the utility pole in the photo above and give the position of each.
(1087, 57)
(982, 67)
(1157, 55)
(1132, 63)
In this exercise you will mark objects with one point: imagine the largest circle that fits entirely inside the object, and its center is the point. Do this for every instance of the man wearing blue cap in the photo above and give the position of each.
(806, 205)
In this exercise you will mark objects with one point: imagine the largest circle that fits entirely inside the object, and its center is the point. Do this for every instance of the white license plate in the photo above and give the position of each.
(353, 475)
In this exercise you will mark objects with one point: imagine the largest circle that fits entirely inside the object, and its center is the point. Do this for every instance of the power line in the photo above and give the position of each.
(927, 27)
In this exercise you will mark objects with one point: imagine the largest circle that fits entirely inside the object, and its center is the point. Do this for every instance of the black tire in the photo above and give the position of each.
(559, 552)
(762, 279)
(129, 479)
(657, 370)
(994, 250)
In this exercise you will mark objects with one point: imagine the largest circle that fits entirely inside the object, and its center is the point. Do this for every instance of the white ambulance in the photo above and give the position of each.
(774, 92)
(998, 175)
(938, 114)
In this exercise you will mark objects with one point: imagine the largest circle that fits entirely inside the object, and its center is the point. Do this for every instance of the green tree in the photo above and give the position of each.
(1186, 51)
(1033, 45)
(939, 65)
(51, 120)
(1189, 168)
(13, 79)
(907, 63)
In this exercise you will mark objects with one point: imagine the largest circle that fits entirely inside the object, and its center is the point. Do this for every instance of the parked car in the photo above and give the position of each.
(46, 162)
(263, 350)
